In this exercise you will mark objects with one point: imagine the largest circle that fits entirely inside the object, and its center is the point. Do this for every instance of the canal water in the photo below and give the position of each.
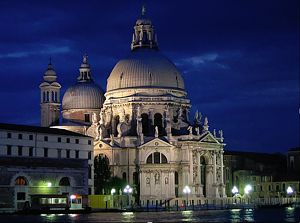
(288, 214)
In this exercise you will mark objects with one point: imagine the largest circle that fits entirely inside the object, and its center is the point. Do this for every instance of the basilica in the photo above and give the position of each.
(142, 122)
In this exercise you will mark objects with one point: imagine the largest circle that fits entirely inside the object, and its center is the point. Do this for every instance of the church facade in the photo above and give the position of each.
(141, 123)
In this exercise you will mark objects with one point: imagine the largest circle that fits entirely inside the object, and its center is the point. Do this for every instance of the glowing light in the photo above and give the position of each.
(127, 189)
(49, 184)
(289, 190)
(186, 190)
(247, 189)
(73, 196)
(234, 190)
(113, 191)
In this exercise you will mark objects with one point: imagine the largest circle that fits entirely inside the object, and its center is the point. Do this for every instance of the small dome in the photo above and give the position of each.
(50, 71)
(145, 68)
(83, 95)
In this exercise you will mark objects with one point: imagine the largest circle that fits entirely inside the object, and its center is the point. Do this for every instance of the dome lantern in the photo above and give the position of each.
(144, 35)
(85, 71)
(50, 74)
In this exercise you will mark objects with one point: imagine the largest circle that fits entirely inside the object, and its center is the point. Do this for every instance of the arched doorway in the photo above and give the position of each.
(21, 191)
(158, 122)
(203, 174)
(64, 185)
(145, 124)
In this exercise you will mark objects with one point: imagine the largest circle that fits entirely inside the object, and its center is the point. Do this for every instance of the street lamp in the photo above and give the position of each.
(186, 190)
(289, 191)
(234, 190)
(248, 189)
(113, 190)
(128, 190)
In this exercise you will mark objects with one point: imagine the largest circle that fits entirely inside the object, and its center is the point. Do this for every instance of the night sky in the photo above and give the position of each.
(239, 59)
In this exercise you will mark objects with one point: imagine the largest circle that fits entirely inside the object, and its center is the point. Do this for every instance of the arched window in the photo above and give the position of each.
(47, 95)
(135, 177)
(156, 158)
(145, 124)
(158, 122)
(52, 96)
(116, 122)
(149, 159)
(176, 178)
(124, 176)
(163, 158)
(64, 181)
(21, 181)
(55, 96)
(44, 96)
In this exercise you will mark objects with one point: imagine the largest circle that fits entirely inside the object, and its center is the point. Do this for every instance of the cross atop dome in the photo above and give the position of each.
(144, 35)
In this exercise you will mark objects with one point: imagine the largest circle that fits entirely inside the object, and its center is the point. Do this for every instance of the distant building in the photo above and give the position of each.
(37, 160)
(266, 173)
(293, 163)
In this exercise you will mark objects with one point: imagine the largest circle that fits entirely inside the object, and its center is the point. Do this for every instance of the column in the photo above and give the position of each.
(215, 167)
(199, 172)
(215, 174)
(222, 175)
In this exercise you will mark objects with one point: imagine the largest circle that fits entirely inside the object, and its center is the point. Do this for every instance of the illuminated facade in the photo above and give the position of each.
(143, 126)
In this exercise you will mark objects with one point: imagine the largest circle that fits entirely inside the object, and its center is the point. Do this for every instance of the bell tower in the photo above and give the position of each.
(50, 98)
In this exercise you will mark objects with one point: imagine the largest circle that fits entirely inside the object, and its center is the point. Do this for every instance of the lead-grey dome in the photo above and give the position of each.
(83, 95)
(145, 68)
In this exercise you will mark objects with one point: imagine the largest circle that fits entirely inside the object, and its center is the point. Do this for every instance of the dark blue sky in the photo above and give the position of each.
(239, 59)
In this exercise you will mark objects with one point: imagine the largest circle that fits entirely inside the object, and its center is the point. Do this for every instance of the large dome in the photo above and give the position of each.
(145, 68)
(83, 95)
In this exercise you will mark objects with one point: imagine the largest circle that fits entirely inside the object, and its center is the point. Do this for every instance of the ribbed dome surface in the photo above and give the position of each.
(145, 68)
(83, 95)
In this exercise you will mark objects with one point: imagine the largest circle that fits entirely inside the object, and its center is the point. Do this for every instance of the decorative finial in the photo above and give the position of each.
(205, 124)
(85, 58)
(221, 135)
(143, 10)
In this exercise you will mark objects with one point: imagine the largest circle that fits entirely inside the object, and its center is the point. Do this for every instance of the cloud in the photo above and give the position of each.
(48, 50)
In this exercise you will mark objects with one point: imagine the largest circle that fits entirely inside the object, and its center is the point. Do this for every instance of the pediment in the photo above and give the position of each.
(209, 138)
(156, 142)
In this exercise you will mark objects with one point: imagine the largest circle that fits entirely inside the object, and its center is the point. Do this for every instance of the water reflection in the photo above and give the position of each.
(187, 216)
(241, 215)
(290, 214)
(128, 216)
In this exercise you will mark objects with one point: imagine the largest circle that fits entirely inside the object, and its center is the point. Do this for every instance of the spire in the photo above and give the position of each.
(85, 70)
(144, 35)
(143, 10)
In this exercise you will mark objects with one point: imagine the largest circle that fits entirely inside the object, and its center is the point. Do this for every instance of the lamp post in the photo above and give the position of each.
(289, 191)
(186, 190)
(234, 190)
(128, 190)
(113, 190)
(247, 190)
